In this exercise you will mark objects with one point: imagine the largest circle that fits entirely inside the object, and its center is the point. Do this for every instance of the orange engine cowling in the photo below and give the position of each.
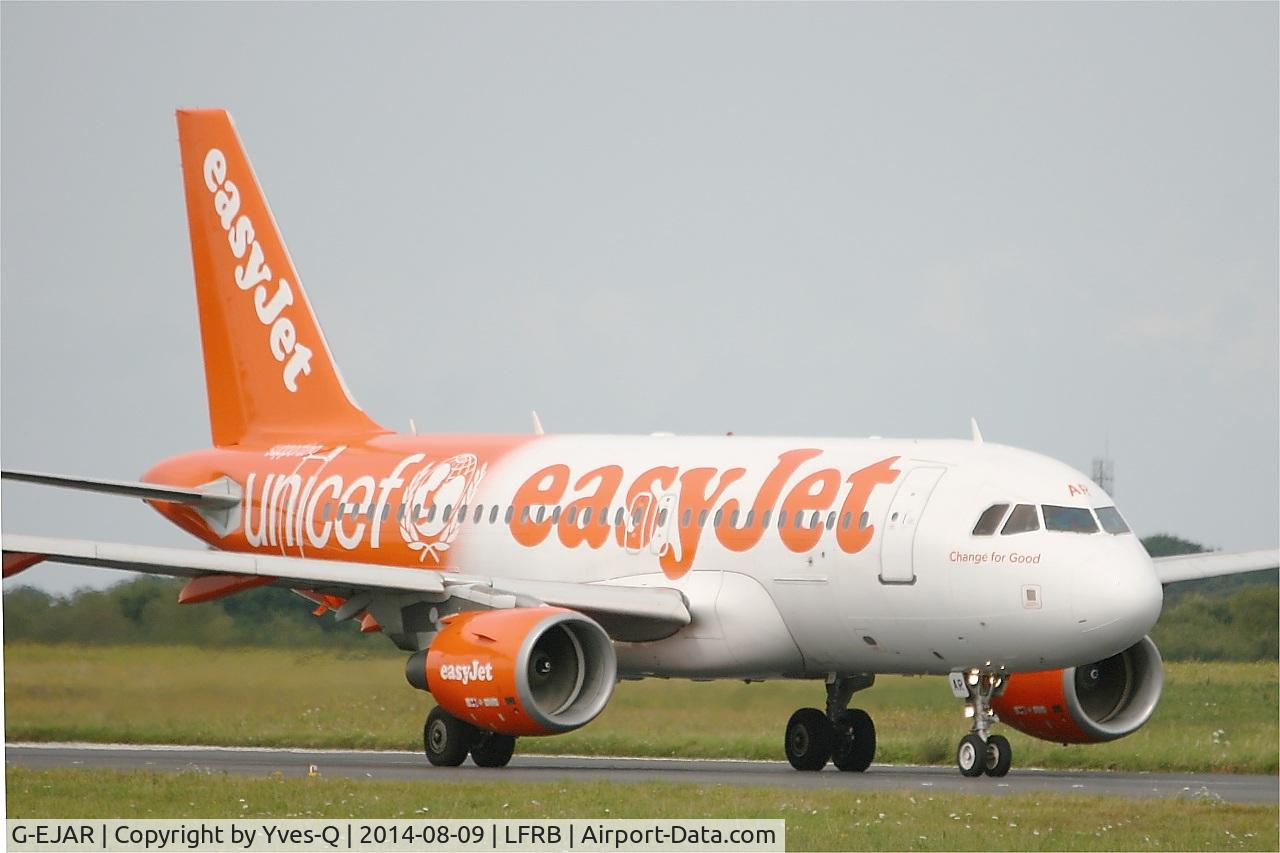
(1085, 704)
(525, 671)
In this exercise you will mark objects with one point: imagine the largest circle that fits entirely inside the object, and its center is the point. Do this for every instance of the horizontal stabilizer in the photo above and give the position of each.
(146, 491)
(1185, 567)
(15, 561)
(183, 562)
(208, 587)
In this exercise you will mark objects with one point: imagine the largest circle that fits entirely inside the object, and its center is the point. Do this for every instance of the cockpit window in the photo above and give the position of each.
(1023, 519)
(1071, 519)
(1111, 520)
(990, 520)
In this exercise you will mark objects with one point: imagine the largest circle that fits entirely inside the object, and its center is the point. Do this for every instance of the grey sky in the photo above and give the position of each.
(800, 219)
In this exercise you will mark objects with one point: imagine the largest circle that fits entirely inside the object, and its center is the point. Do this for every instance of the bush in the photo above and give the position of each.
(146, 611)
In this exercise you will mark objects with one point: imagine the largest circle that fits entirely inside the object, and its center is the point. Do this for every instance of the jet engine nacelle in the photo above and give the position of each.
(1085, 704)
(525, 671)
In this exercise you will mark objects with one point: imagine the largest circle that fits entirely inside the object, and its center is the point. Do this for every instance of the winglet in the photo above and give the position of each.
(537, 424)
(977, 433)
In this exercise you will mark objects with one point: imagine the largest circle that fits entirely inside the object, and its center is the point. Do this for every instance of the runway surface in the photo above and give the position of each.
(539, 768)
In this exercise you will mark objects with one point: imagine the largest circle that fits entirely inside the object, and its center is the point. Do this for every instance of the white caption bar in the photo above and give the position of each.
(205, 836)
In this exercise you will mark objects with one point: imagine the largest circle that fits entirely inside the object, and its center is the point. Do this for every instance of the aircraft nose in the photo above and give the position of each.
(1119, 602)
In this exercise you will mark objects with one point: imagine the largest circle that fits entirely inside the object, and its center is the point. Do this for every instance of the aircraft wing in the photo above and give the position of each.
(628, 613)
(1185, 567)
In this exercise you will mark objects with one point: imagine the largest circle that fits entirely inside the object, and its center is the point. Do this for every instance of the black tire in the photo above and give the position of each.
(810, 739)
(855, 741)
(493, 750)
(999, 756)
(971, 756)
(446, 739)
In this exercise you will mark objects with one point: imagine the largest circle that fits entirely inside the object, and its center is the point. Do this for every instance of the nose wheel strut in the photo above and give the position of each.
(980, 751)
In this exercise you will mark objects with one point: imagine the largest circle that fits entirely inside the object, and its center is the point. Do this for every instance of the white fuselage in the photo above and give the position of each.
(915, 592)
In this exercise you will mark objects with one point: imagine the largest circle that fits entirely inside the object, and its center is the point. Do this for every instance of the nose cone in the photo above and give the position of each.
(1118, 603)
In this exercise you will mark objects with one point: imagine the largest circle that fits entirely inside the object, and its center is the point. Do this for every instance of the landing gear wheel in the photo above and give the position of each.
(971, 756)
(810, 739)
(446, 739)
(493, 750)
(999, 756)
(855, 741)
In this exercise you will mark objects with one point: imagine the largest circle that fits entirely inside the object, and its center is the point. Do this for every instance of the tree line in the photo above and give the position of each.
(1227, 618)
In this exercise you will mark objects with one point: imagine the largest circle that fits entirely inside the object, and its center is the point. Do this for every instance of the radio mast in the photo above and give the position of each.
(1103, 471)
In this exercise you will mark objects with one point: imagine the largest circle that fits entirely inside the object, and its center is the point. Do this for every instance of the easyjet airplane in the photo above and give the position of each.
(524, 575)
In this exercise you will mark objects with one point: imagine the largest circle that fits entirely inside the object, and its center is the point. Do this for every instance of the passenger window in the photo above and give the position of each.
(462, 514)
(733, 519)
(386, 511)
(586, 516)
(831, 520)
(479, 513)
(571, 515)
(511, 511)
(864, 520)
(846, 520)
(1023, 519)
(448, 512)
(617, 517)
(719, 518)
(765, 517)
(782, 518)
(555, 515)
(662, 517)
(1069, 519)
(702, 518)
(636, 516)
(815, 520)
(417, 511)
(751, 518)
(990, 520)
(542, 513)
(688, 517)
(799, 520)
(431, 512)
(324, 513)
(400, 512)
(524, 514)
(493, 514)
(1111, 520)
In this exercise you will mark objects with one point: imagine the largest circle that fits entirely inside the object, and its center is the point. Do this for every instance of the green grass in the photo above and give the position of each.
(1213, 717)
(816, 820)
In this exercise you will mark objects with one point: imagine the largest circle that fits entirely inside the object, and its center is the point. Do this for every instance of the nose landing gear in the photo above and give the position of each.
(980, 751)
(845, 736)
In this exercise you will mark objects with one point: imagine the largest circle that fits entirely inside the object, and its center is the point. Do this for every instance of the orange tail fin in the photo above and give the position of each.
(269, 373)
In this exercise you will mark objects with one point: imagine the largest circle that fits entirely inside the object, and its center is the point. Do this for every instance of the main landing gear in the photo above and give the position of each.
(980, 751)
(447, 741)
(844, 736)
